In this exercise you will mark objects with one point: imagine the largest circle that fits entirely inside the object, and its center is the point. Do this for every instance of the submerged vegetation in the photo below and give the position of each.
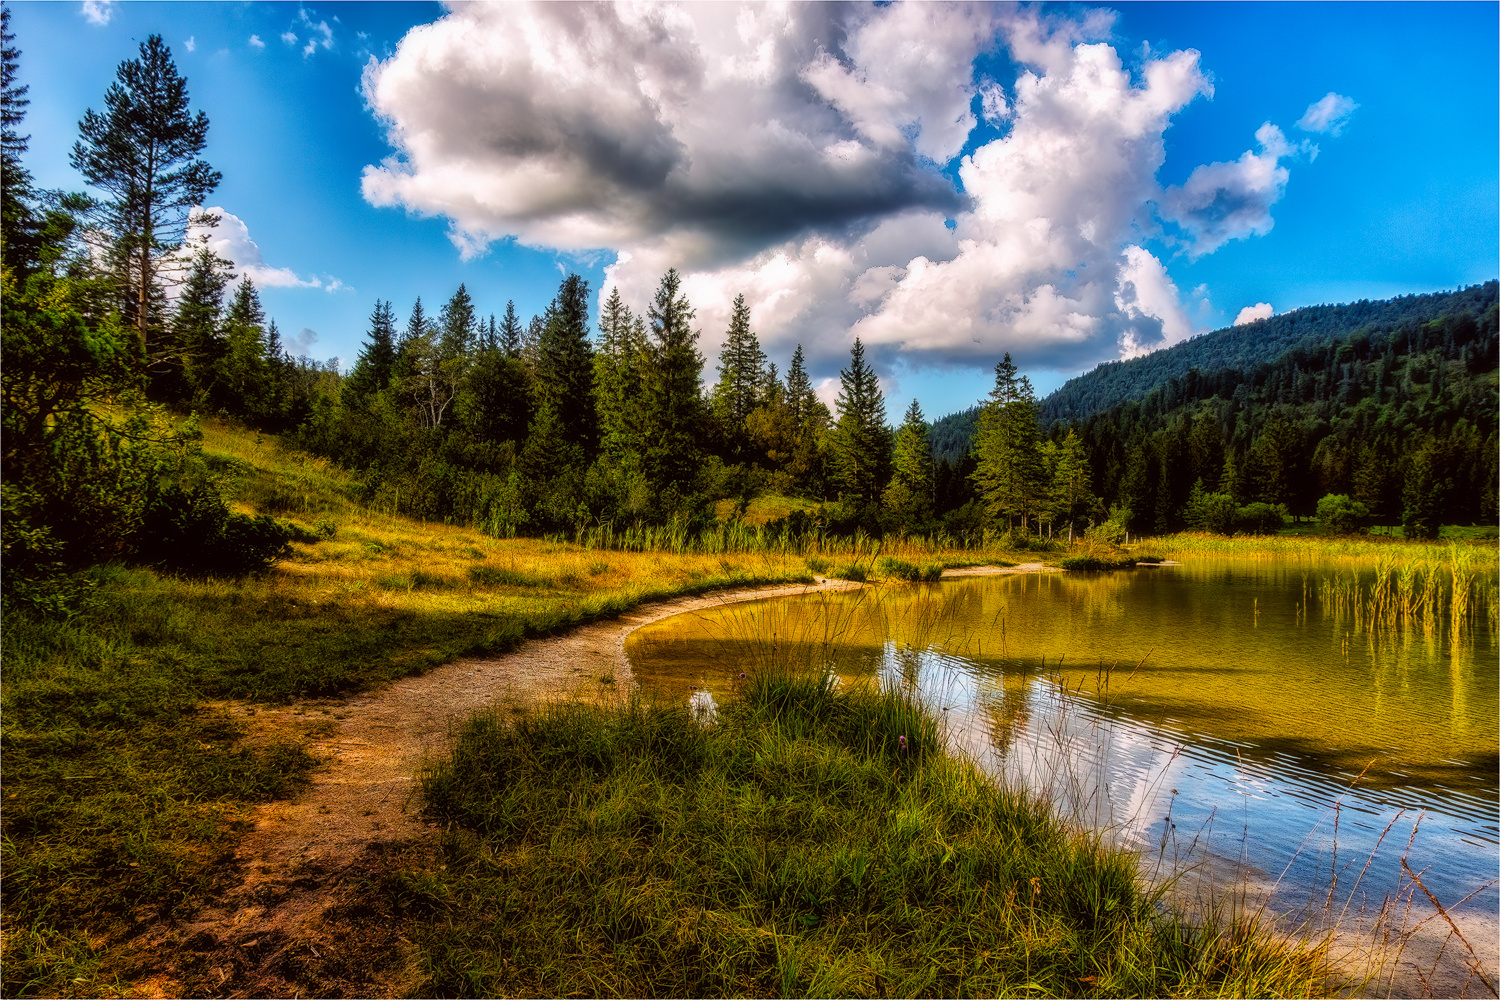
(812, 841)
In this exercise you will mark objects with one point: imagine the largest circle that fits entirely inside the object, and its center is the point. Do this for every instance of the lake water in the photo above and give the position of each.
(1214, 714)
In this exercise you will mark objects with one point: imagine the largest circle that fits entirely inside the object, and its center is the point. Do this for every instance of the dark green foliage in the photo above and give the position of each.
(190, 529)
(908, 497)
(509, 336)
(1010, 474)
(741, 372)
(1339, 515)
(673, 412)
(952, 436)
(910, 572)
(860, 441)
(1095, 563)
(377, 359)
(565, 366)
(1215, 362)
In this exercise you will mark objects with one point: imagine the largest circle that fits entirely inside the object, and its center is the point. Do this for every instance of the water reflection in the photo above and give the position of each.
(1217, 710)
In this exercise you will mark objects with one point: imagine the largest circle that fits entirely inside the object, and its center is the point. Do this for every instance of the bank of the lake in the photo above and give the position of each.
(1277, 724)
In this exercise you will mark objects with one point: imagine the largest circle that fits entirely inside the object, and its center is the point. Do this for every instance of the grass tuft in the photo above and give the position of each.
(798, 846)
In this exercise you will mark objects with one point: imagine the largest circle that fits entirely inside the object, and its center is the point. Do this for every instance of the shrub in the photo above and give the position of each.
(190, 529)
(1112, 531)
(1097, 563)
(910, 572)
(851, 571)
(1260, 519)
(817, 564)
(1339, 515)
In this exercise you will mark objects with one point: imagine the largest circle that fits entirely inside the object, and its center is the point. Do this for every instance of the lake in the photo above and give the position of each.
(1228, 715)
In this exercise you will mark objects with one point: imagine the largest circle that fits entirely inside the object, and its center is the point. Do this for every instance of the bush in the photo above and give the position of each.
(910, 572)
(1260, 519)
(851, 571)
(190, 529)
(1339, 515)
(817, 564)
(1112, 531)
(1097, 563)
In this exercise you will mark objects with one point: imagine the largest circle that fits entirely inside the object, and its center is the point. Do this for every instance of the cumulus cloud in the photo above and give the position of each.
(1220, 202)
(1328, 115)
(98, 11)
(290, 37)
(191, 44)
(1252, 314)
(797, 155)
(722, 129)
(230, 239)
(256, 43)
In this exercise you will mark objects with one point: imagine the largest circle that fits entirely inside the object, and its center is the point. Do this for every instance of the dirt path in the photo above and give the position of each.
(289, 919)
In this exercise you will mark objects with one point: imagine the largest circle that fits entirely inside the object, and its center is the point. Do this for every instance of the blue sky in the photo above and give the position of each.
(1067, 183)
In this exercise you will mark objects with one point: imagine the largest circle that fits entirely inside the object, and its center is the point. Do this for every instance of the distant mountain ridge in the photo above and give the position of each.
(1243, 348)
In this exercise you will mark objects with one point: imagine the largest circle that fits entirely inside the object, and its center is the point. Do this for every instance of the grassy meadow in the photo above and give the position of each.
(129, 774)
(131, 767)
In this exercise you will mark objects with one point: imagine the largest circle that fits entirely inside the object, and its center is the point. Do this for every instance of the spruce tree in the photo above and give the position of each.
(243, 379)
(861, 442)
(405, 367)
(673, 413)
(377, 360)
(510, 331)
(142, 152)
(1010, 474)
(741, 371)
(195, 345)
(799, 390)
(16, 217)
(618, 370)
(908, 498)
(1072, 486)
(565, 365)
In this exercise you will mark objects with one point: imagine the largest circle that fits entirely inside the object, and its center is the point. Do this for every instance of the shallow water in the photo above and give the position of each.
(1208, 712)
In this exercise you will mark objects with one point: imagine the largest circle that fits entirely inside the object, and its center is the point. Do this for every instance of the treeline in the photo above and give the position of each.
(1401, 421)
(1245, 348)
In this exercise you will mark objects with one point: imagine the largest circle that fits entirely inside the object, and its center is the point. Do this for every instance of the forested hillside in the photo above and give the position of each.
(1401, 420)
(1244, 348)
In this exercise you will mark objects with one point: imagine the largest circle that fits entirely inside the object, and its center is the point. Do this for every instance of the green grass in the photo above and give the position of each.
(900, 569)
(798, 846)
(1096, 562)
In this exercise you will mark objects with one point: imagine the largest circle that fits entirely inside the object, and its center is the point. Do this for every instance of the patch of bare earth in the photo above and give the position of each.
(296, 914)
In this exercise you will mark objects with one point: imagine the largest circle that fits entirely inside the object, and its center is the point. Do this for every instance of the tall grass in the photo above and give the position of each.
(815, 840)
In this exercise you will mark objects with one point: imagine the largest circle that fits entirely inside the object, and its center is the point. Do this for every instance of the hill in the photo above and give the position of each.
(1244, 348)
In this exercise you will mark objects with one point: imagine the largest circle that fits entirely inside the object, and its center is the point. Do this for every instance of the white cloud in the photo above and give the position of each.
(290, 37)
(320, 35)
(1250, 314)
(791, 153)
(1328, 115)
(231, 240)
(98, 11)
(1220, 202)
(256, 43)
(191, 44)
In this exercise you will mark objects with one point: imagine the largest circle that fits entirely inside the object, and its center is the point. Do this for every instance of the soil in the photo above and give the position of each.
(293, 915)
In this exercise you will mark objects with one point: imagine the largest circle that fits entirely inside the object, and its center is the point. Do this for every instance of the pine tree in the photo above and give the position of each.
(16, 219)
(242, 382)
(565, 365)
(1072, 486)
(673, 412)
(799, 390)
(618, 372)
(908, 498)
(1010, 474)
(377, 360)
(741, 371)
(510, 331)
(195, 345)
(405, 367)
(143, 153)
(861, 442)
(459, 324)
(531, 340)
